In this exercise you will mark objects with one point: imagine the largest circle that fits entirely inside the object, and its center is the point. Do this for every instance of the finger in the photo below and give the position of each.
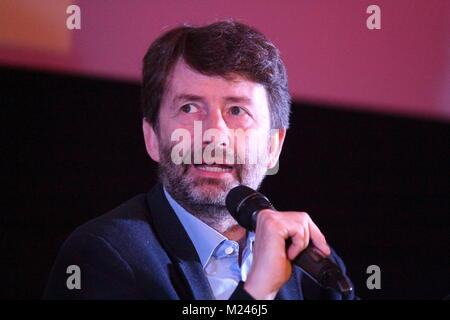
(318, 238)
(299, 236)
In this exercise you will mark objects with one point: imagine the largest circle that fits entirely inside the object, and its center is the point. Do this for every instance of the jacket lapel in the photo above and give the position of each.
(179, 247)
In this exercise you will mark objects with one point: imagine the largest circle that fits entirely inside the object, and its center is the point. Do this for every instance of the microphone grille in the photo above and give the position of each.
(244, 203)
(235, 198)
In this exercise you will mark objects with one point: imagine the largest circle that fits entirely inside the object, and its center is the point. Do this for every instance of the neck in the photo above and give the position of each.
(236, 233)
(226, 226)
(221, 221)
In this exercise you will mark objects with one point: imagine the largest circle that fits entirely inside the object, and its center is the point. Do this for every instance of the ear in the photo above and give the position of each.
(151, 140)
(276, 143)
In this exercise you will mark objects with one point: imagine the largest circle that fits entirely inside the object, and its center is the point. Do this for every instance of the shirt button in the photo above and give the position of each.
(229, 250)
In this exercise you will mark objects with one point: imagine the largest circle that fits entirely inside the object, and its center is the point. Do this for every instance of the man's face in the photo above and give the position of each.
(227, 108)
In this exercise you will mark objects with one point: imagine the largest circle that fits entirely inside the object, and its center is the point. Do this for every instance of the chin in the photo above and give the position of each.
(213, 192)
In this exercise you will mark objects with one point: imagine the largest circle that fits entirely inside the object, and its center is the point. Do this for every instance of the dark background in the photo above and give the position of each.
(377, 185)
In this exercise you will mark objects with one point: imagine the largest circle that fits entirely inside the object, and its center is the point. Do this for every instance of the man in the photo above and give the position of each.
(208, 95)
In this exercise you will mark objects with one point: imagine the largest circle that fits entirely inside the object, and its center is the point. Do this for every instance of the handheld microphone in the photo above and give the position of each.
(244, 204)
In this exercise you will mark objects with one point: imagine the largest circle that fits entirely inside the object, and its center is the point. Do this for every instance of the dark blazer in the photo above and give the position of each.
(140, 250)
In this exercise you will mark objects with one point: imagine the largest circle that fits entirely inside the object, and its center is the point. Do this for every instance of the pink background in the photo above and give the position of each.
(331, 56)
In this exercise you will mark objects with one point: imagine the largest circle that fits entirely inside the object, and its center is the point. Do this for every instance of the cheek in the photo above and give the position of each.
(172, 134)
(236, 122)
(251, 148)
(177, 141)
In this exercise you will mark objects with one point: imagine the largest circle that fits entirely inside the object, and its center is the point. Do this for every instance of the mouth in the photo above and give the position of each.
(218, 168)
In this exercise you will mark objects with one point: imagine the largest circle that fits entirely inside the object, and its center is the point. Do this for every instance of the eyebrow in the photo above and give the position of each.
(190, 97)
(195, 98)
(239, 99)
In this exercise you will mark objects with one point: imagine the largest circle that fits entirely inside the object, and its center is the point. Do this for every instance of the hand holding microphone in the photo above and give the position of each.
(276, 231)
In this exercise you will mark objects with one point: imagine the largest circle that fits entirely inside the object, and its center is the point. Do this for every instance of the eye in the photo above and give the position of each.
(189, 108)
(236, 111)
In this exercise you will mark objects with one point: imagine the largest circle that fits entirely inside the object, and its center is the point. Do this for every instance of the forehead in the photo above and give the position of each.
(184, 80)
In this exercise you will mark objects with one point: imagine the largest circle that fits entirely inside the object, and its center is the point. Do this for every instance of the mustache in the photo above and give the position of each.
(209, 154)
(188, 160)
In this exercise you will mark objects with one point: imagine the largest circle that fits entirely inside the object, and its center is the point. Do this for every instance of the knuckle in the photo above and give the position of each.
(304, 215)
(300, 216)
(269, 217)
(300, 234)
(302, 219)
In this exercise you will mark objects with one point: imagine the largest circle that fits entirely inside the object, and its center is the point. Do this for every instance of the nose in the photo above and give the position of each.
(217, 128)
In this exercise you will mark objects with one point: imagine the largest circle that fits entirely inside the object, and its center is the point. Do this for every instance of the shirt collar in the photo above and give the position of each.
(204, 238)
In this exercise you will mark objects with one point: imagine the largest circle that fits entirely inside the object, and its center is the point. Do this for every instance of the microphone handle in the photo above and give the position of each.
(321, 269)
(311, 260)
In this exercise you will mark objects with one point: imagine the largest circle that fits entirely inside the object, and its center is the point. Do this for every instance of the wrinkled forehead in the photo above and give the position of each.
(183, 79)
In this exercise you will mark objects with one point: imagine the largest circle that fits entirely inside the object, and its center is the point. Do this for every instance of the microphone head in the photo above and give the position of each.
(244, 203)
(236, 196)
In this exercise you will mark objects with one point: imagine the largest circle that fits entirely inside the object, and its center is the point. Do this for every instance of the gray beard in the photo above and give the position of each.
(209, 206)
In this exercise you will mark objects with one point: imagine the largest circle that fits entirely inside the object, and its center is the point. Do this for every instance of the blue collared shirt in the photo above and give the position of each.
(218, 255)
